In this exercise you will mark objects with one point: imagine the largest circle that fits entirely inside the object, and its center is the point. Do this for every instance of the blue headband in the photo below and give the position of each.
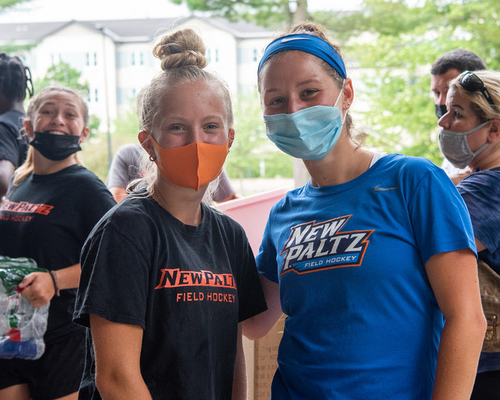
(308, 43)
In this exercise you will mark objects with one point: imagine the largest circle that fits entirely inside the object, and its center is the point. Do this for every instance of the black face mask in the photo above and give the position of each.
(440, 110)
(55, 147)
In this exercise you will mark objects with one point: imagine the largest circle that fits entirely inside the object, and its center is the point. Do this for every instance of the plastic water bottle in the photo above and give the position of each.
(21, 326)
(28, 350)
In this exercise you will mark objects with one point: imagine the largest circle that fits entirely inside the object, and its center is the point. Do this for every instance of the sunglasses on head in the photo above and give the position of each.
(473, 83)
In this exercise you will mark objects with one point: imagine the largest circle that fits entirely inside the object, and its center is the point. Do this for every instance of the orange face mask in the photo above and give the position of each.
(191, 166)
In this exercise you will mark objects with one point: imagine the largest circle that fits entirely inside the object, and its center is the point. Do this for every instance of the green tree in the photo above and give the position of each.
(95, 154)
(252, 155)
(9, 48)
(263, 12)
(393, 43)
(7, 4)
(62, 74)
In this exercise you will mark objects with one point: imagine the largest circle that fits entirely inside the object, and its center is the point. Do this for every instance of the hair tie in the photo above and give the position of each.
(308, 43)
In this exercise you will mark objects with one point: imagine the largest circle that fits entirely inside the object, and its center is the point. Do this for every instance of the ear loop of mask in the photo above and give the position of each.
(336, 101)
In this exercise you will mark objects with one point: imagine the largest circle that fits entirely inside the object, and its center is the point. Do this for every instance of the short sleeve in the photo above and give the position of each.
(114, 279)
(439, 216)
(250, 293)
(125, 166)
(267, 258)
(12, 148)
(481, 193)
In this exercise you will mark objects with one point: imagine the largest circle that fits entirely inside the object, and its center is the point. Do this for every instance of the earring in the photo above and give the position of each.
(152, 158)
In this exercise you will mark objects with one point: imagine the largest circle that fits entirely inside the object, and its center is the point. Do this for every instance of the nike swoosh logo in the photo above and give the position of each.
(290, 39)
(381, 189)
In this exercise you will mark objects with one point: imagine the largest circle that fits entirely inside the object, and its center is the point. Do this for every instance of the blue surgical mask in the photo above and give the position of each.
(455, 147)
(308, 134)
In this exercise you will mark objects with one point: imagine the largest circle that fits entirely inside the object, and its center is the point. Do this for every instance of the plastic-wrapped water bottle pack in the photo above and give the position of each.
(21, 326)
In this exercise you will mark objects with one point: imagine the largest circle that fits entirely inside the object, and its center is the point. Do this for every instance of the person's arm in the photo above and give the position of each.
(125, 167)
(118, 193)
(233, 196)
(6, 172)
(117, 349)
(479, 245)
(40, 287)
(459, 177)
(240, 372)
(224, 191)
(260, 324)
(454, 280)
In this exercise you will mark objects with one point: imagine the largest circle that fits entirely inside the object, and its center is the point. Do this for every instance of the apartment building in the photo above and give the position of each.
(115, 56)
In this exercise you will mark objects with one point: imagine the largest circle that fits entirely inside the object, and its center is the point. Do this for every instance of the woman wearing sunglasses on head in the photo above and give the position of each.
(368, 257)
(470, 137)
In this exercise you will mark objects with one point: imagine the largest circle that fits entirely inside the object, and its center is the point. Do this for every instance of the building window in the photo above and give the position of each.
(216, 55)
(55, 58)
(255, 55)
(132, 59)
(141, 58)
(95, 59)
(96, 95)
(87, 59)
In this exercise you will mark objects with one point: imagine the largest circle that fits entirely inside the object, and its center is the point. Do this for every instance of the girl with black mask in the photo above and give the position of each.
(47, 214)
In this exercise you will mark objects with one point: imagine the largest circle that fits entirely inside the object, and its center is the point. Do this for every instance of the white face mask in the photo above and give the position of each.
(455, 148)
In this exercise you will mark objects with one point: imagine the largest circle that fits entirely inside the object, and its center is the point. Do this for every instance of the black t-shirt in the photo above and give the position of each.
(48, 218)
(12, 147)
(187, 286)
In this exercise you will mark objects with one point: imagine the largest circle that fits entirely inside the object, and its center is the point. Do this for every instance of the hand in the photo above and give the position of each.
(38, 288)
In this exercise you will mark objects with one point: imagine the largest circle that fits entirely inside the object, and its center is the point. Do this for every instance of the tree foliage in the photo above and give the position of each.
(62, 74)
(391, 44)
(6, 4)
(252, 154)
(262, 12)
(10, 48)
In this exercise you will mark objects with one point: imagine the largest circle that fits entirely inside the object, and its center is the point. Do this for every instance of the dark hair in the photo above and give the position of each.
(459, 59)
(15, 78)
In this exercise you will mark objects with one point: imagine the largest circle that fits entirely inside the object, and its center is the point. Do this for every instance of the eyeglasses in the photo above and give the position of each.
(473, 83)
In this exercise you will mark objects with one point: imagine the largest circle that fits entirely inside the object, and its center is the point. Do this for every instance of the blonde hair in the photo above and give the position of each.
(481, 107)
(34, 105)
(182, 59)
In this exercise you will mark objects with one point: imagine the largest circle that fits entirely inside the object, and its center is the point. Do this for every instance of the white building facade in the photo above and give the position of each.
(115, 56)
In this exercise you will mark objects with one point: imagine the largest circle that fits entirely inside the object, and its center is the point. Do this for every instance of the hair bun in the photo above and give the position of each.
(181, 49)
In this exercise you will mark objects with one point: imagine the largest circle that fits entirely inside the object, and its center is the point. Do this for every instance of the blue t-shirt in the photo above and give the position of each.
(481, 192)
(362, 321)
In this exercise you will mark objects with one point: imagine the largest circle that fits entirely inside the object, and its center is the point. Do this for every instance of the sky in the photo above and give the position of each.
(65, 10)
